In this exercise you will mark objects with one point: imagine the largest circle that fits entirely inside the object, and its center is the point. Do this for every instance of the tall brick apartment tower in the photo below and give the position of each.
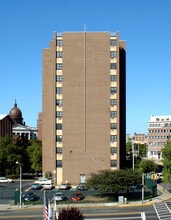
(84, 105)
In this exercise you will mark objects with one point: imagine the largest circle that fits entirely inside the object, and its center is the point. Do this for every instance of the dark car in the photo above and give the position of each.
(77, 196)
(82, 186)
(30, 197)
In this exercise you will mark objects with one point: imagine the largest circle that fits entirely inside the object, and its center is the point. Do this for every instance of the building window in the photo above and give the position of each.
(59, 138)
(113, 138)
(59, 66)
(113, 114)
(59, 90)
(113, 163)
(113, 90)
(58, 42)
(59, 78)
(113, 54)
(58, 54)
(113, 78)
(59, 102)
(59, 163)
(113, 66)
(113, 102)
(112, 42)
(113, 150)
(59, 114)
(59, 150)
(113, 126)
(58, 126)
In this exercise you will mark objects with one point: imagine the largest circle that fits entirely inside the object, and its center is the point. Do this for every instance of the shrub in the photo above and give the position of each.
(70, 214)
(48, 175)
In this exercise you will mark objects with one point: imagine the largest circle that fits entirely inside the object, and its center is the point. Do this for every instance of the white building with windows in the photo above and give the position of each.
(25, 131)
(159, 131)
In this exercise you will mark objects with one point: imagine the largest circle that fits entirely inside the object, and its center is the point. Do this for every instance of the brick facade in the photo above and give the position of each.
(77, 136)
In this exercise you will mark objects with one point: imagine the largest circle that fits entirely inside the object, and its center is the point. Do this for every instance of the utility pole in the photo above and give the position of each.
(20, 205)
(132, 155)
(143, 213)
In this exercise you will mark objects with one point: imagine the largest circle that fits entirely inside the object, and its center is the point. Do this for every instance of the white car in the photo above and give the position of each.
(48, 186)
(4, 180)
(65, 186)
(43, 181)
(59, 196)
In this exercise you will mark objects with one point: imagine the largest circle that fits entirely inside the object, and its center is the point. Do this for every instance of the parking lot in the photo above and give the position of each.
(7, 192)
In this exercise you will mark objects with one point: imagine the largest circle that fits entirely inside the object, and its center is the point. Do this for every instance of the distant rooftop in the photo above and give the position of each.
(2, 116)
(160, 118)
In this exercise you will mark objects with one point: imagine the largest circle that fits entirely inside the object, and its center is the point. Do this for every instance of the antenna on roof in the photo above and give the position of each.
(15, 104)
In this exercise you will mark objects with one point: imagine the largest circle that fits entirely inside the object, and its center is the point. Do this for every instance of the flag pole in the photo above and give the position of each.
(50, 216)
(55, 211)
(46, 211)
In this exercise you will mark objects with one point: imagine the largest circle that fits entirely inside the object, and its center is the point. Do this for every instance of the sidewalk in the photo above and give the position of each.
(163, 195)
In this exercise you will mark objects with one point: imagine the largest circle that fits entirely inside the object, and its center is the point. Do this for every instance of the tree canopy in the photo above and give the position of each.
(114, 181)
(34, 152)
(26, 153)
(166, 154)
(146, 166)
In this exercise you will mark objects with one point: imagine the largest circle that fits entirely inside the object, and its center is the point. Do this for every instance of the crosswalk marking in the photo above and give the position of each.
(162, 210)
(113, 218)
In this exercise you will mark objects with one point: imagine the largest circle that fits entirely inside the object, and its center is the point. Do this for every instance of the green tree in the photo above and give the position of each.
(34, 151)
(166, 154)
(146, 166)
(110, 181)
(140, 149)
(19, 149)
(11, 150)
(3, 155)
(129, 146)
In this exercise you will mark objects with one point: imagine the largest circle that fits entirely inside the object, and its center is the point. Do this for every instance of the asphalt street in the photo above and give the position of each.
(131, 210)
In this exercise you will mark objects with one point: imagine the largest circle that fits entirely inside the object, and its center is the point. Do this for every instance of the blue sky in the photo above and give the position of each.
(27, 26)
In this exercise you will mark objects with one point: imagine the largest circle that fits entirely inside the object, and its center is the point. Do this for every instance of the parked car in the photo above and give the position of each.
(77, 196)
(35, 186)
(43, 181)
(30, 196)
(65, 186)
(82, 186)
(59, 196)
(48, 186)
(160, 176)
(155, 176)
(4, 180)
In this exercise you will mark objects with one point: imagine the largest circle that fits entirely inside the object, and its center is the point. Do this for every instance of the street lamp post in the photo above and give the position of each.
(133, 155)
(143, 213)
(20, 205)
(142, 190)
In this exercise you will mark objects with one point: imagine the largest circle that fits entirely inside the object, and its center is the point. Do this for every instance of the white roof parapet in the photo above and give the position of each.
(2, 116)
(156, 118)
